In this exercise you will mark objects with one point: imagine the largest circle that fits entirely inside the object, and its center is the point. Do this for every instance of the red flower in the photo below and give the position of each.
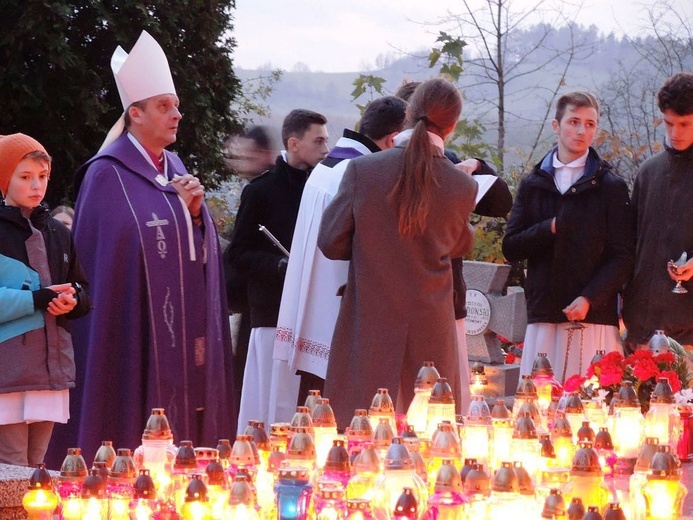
(610, 376)
(573, 383)
(509, 358)
(645, 369)
(611, 359)
(608, 369)
(673, 378)
(556, 388)
(638, 356)
(503, 339)
(665, 357)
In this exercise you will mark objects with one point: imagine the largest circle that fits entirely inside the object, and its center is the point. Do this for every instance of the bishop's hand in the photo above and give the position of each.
(191, 191)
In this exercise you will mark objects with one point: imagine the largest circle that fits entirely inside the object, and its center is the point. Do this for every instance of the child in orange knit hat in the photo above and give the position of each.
(41, 286)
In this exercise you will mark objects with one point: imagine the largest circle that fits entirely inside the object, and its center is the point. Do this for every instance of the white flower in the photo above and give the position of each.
(684, 396)
(601, 395)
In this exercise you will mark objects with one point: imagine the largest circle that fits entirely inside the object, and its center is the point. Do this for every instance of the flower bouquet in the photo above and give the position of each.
(642, 368)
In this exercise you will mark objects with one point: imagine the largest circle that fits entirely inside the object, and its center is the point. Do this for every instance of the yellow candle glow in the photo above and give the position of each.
(40, 504)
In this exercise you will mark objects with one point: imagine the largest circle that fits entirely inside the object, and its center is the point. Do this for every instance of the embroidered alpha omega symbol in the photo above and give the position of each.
(160, 237)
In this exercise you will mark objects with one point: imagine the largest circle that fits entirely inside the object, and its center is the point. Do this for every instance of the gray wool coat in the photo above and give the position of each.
(397, 309)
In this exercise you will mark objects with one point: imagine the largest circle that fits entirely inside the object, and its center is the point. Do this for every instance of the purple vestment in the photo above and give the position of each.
(158, 335)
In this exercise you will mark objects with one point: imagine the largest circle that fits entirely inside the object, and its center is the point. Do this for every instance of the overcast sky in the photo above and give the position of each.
(349, 35)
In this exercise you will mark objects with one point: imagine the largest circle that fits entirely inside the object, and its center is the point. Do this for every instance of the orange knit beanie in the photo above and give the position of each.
(13, 148)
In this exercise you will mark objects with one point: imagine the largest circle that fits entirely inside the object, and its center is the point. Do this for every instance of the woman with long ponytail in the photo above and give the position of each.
(400, 215)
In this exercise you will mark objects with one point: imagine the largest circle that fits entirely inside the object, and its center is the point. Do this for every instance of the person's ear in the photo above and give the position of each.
(135, 113)
(390, 142)
(292, 144)
(555, 125)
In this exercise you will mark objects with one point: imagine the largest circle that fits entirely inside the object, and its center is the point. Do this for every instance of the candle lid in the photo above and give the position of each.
(585, 461)
(144, 485)
(646, 453)
(576, 509)
(614, 512)
(603, 441)
(323, 415)
(441, 392)
(186, 458)
(382, 402)
(293, 473)
(585, 432)
(524, 481)
(196, 490)
(448, 478)
(505, 479)
(337, 457)
(542, 366)
(74, 465)
(93, 485)
(662, 392)
(524, 427)
(123, 465)
(526, 387)
(40, 478)
(157, 427)
(427, 376)
(406, 504)
(554, 505)
(398, 456)
(105, 453)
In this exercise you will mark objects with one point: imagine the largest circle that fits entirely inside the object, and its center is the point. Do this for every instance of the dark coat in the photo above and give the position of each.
(41, 359)
(590, 255)
(271, 200)
(496, 202)
(663, 206)
(397, 307)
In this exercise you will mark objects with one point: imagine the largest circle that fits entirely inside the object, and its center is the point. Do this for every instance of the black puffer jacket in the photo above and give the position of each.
(592, 252)
(41, 359)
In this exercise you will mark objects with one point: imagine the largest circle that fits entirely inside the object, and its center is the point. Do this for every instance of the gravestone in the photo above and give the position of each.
(490, 312)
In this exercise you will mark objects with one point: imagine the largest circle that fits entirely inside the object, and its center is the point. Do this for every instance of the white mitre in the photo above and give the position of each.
(139, 75)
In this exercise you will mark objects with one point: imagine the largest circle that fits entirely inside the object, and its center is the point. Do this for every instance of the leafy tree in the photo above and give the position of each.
(367, 83)
(56, 83)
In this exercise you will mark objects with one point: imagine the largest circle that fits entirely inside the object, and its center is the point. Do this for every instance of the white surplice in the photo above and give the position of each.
(310, 304)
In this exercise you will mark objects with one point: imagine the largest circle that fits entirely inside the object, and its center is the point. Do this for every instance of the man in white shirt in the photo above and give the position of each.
(571, 220)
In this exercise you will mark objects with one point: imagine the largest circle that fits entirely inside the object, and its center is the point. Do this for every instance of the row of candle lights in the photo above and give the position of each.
(545, 458)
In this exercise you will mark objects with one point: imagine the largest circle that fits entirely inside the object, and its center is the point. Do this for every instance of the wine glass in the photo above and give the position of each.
(674, 268)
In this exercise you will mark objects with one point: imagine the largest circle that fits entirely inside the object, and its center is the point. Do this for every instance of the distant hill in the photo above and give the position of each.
(527, 96)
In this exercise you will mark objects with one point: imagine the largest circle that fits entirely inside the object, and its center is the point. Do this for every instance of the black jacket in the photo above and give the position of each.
(496, 202)
(271, 200)
(592, 252)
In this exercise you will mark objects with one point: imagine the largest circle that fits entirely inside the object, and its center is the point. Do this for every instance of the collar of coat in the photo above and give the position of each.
(124, 152)
(284, 171)
(685, 155)
(39, 216)
(595, 169)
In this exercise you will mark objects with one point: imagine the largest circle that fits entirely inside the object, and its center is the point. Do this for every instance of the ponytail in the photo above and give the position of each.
(434, 107)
